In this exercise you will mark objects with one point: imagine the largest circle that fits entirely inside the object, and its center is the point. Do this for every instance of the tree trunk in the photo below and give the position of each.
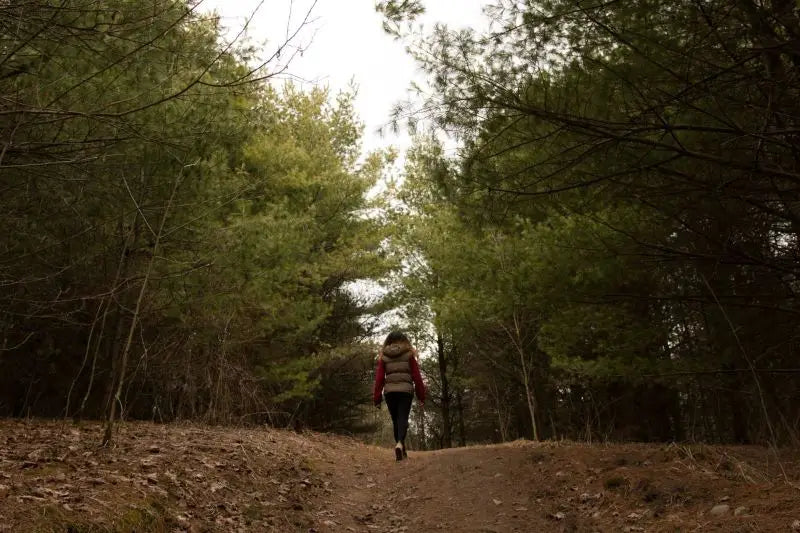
(531, 400)
(447, 434)
(530, 396)
(462, 439)
(502, 417)
(422, 435)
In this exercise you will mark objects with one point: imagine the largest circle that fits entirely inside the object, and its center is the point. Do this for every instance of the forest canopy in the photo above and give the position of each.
(179, 233)
(594, 236)
(613, 252)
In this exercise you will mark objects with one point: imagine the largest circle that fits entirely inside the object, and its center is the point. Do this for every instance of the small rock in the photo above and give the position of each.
(721, 509)
(740, 511)
(496, 501)
(725, 499)
(796, 525)
(559, 516)
(4, 490)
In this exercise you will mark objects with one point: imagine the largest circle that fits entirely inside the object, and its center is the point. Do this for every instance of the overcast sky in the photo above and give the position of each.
(347, 45)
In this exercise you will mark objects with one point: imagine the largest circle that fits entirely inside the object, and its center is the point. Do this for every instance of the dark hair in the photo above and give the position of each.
(396, 336)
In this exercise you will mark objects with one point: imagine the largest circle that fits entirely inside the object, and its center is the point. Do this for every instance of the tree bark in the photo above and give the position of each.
(525, 371)
(462, 438)
(447, 432)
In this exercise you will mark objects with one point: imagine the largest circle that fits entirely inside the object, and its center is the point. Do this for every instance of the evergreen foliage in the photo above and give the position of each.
(178, 235)
(613, 251)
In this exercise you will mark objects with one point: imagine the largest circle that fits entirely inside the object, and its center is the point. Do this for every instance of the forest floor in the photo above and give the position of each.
(54, 477)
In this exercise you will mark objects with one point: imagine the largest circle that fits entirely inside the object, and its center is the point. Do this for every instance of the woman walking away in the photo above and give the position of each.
(398, 377)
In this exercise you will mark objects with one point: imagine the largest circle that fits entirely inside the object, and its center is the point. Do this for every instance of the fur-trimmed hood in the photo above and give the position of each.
(396, 349)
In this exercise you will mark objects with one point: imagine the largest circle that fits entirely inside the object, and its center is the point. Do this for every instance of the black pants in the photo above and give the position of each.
(399, 405)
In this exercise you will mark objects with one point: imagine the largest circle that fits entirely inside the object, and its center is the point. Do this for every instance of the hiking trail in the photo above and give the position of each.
(54, 477)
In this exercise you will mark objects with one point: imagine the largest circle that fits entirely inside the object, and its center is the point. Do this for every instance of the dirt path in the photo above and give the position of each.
(196, 479)
(526, 487)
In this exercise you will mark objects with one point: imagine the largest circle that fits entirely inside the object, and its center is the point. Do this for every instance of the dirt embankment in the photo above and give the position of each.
(54, 477)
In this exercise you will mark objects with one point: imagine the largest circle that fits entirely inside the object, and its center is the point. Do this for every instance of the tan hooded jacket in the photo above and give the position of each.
(396, 358)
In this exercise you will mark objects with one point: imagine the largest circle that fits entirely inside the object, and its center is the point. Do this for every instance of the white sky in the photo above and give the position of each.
(347, 45)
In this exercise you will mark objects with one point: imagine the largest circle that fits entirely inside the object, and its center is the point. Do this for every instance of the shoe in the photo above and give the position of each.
(398, 452)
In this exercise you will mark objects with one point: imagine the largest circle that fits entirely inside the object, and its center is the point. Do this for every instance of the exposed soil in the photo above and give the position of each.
(54, 477)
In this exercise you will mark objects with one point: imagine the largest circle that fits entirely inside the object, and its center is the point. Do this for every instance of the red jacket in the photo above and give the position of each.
(380, 379)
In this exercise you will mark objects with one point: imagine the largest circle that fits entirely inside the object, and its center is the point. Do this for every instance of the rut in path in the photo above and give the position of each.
(528, 487)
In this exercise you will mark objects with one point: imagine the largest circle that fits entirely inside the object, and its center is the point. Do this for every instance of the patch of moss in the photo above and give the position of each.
(150, 518)
(615, 482)
(253, 513)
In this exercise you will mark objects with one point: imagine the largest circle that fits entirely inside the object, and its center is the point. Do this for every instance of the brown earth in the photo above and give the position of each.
(54, 477)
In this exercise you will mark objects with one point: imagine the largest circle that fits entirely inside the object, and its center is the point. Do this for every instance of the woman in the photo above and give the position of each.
(398, 377)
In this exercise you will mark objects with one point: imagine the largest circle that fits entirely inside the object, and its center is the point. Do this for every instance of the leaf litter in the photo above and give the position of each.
(55, 477)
